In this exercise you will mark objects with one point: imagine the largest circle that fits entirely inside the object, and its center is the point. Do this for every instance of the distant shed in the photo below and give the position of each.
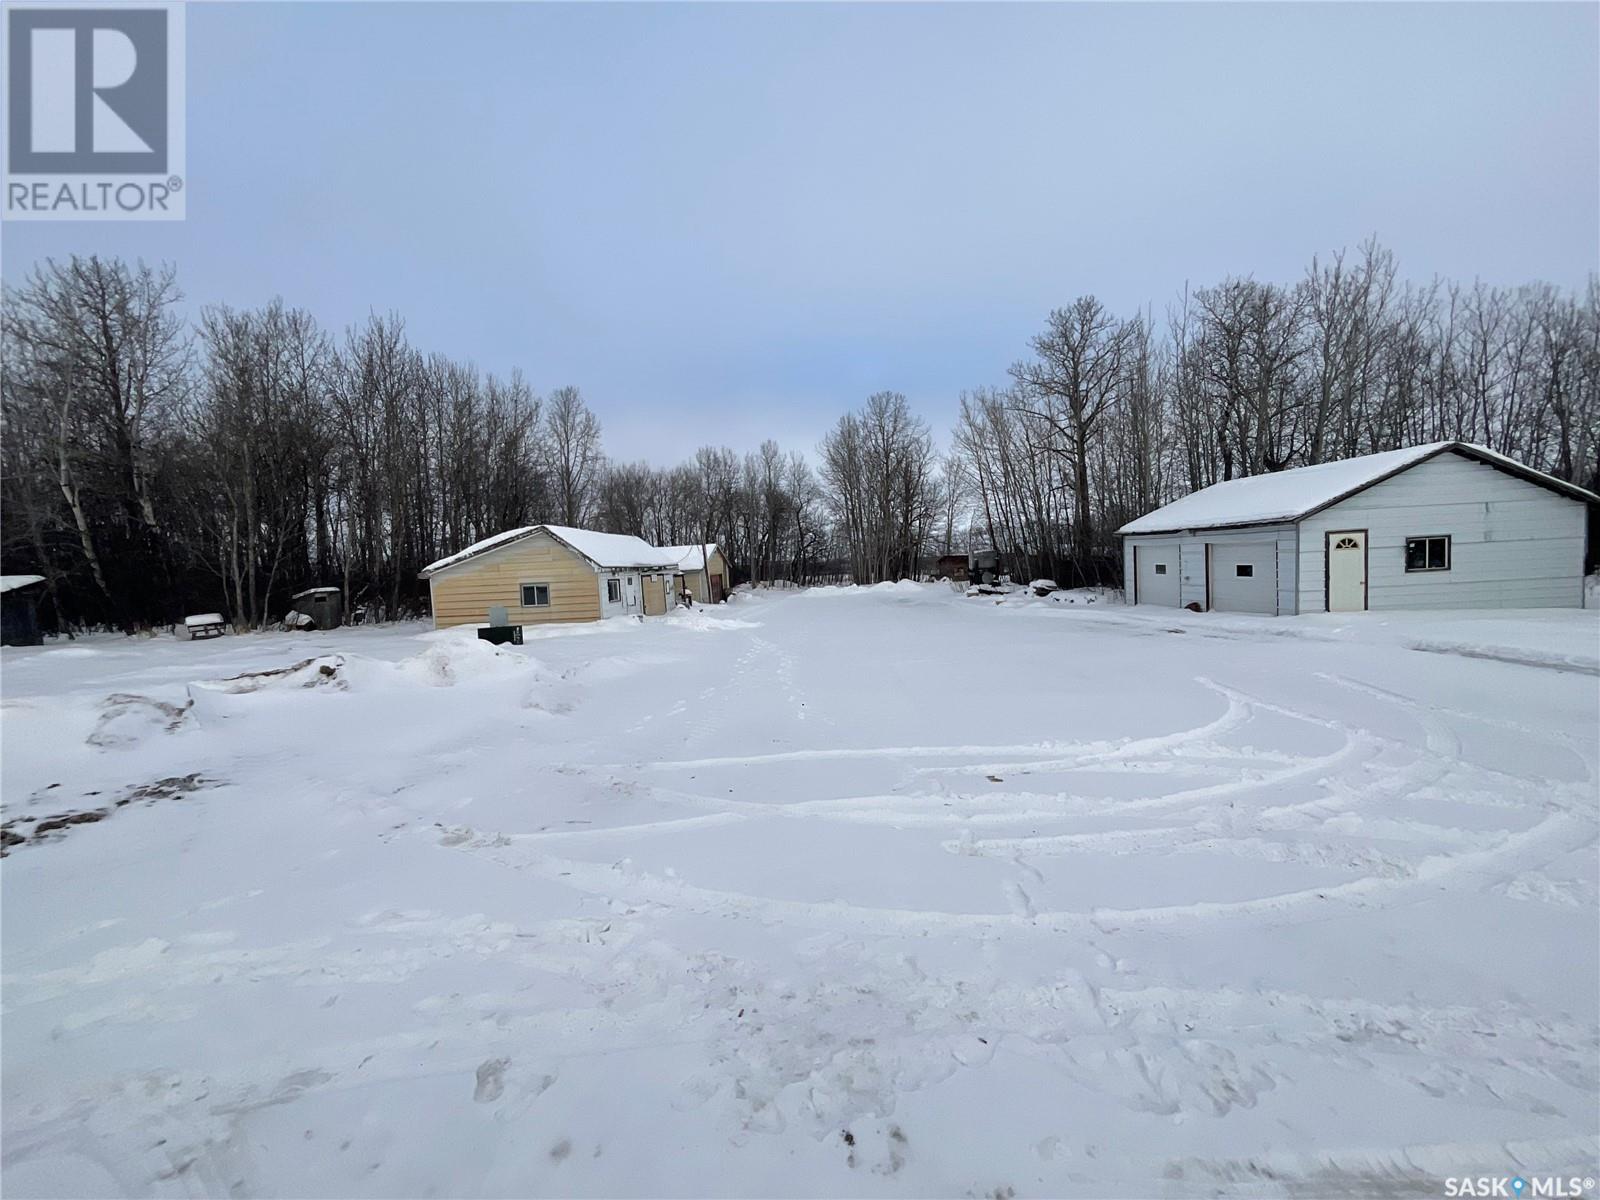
(324, 605)
(19, 610)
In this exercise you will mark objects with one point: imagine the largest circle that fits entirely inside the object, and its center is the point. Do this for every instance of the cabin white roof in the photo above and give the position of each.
(607, 551)
(10, 583)
(688, 557)
(1287, 496)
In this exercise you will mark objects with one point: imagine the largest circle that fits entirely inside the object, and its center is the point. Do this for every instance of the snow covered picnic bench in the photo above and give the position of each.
(205, 625)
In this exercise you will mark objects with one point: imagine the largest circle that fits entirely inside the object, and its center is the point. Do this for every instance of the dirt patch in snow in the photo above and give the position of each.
(324, 672)
(22, 831)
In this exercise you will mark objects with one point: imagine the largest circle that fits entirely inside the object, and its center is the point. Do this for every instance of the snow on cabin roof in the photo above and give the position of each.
(1291, 495)
(612, 549)
(10, 583)
(316, 591)
(605, 550)
(688, 557)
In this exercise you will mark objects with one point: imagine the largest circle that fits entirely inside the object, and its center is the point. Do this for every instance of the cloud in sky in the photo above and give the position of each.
(722, 221)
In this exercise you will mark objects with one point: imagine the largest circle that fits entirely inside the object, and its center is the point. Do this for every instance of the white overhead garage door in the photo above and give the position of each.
(1244, 577)
(1157, 574)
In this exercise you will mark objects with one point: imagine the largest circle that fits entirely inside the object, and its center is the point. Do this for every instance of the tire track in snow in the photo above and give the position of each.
(1554, 836)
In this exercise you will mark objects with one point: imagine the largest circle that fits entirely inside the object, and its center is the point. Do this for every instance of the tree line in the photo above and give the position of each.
(154, 466)
(1111, 416)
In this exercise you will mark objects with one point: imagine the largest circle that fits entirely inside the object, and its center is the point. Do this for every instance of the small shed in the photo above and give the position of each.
(19, 610)
(1442, 525)
(983, 566)
(324, 605)
(952, 567)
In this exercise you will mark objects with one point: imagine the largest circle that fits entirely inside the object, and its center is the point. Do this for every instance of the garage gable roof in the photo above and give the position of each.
(1296, 494)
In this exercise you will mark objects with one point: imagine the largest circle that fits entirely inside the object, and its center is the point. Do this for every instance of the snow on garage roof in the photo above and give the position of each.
(605, 550)
(1291, 495)
(10, 583)
(688, 557)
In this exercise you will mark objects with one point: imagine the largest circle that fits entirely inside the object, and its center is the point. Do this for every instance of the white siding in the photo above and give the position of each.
(1514, 544)
(622, 607)
(1192, 558)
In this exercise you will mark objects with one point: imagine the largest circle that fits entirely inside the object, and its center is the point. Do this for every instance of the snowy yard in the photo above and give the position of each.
(862, 892)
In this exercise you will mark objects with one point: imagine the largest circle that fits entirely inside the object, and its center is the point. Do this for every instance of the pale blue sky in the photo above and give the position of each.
(724, 222)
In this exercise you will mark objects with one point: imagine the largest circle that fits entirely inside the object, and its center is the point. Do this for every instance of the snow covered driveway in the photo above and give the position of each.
(877, 892)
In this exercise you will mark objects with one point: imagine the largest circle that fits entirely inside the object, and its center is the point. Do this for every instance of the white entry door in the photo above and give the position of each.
(631, 585)
(1347, 571)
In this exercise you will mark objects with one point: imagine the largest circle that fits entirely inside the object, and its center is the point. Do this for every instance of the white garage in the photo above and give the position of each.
(1446, 525)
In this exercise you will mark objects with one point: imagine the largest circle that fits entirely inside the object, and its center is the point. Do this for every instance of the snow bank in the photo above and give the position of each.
(1033, 597)
(700, 620)
(900, 588)
(446, 664)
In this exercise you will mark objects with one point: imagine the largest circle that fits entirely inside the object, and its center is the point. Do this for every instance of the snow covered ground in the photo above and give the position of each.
(853, 891)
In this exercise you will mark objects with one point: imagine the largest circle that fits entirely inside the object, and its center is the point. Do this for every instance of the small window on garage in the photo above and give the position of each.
(1244, 570)
(614, 591)
(536, 595)
(1161, 568)
(1428, 553)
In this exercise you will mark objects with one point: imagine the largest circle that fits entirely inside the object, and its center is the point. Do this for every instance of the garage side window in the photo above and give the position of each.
(1428, 553)
(1244, 570)
(614, 591)
(536, 595)
(1161, 568)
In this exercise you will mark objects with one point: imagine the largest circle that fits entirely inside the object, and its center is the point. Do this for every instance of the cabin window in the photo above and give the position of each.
(1244, 570)
(613, 591)
(1428, 553)
(1161, 568)
(536, 595)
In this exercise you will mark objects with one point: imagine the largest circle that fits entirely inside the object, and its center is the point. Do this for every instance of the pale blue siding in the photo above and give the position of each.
(1514, 544)
(1192, 559)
